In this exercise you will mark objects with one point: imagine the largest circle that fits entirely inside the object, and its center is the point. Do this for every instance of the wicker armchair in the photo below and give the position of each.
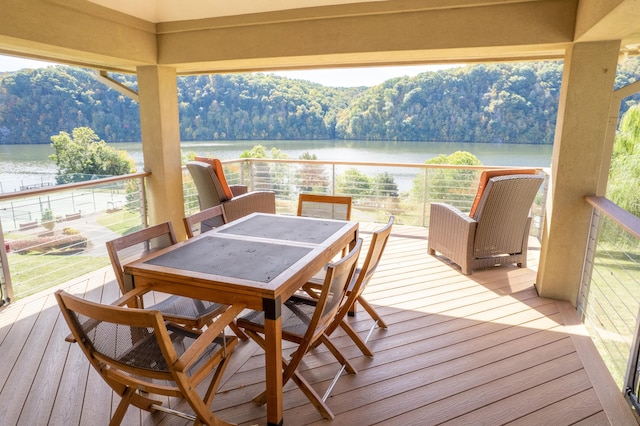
(236, 202)
(498, 231)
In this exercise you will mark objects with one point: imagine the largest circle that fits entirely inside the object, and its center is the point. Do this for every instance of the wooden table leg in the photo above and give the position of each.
(273, 359)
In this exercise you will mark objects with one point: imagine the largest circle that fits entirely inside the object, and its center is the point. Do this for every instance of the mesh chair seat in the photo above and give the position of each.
(188, 309)
(138, 346)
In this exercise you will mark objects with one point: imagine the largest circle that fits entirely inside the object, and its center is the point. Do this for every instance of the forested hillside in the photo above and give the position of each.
(511, 103)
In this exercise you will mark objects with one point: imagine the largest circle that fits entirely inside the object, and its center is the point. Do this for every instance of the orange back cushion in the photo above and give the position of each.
(217, 169)
(488, 174)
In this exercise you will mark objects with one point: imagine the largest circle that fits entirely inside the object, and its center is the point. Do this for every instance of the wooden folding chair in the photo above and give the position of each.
(355, 289)
(324, 206)
(306, 321)
(204, 221)
(193, 313)
(137, 355)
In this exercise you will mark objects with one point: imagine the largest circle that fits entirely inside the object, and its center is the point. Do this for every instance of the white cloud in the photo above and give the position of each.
(13, 63)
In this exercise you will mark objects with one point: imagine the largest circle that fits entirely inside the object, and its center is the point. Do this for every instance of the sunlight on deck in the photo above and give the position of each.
(458, 349)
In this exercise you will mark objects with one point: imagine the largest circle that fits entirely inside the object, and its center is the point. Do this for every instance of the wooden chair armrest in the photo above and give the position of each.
(136, 293)
(192, 354)
(313, 288)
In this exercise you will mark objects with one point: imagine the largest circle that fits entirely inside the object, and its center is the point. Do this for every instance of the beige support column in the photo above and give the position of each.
(587, 89)
(157, 88)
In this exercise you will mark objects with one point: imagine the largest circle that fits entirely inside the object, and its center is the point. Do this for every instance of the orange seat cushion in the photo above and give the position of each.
(488, 174)
(217, 169)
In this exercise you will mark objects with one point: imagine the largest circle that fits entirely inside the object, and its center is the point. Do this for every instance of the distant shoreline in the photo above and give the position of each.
(261, 141)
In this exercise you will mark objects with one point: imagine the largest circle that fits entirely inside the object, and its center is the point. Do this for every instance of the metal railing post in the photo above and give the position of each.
(631, 388)
(6, 288)
(587, 267)
(143, 202)
(13, 216)
(425, 182)
(252, 175)
(333, 179)
(543, 206)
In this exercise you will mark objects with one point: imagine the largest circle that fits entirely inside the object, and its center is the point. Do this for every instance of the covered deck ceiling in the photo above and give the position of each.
(196, 36)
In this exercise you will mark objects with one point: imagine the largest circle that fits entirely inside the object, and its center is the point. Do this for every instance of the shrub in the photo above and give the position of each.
(60, 244)
(47, 219)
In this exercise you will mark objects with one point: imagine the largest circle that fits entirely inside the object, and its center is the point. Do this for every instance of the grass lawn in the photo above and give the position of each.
(123, 221)
(31, 273)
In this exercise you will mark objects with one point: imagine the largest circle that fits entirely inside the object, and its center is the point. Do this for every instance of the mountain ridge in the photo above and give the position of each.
(505, 103)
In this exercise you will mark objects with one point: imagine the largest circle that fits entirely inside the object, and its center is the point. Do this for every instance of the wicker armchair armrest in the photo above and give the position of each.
(452, 233)
(445, 212)
(251, 202)
(237, 190)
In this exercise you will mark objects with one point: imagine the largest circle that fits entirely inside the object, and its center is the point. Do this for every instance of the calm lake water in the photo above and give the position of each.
(23, 165)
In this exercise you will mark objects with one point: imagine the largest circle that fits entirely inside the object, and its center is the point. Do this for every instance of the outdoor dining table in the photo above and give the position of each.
(259, 260)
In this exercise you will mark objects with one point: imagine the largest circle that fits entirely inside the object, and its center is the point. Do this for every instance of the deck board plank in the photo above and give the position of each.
(478, 349)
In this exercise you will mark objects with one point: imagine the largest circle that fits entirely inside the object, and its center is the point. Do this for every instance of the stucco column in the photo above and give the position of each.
(587, 89)
(159, 122)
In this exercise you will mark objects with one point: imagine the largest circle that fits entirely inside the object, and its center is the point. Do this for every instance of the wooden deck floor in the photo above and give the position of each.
(479, 349)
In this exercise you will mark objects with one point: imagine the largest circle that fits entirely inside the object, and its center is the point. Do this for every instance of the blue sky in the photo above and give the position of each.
(339, 77)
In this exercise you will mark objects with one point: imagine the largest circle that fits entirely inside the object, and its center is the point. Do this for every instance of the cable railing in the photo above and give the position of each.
(83, 216)
(609, 299)
(51, 235)
(377, 189)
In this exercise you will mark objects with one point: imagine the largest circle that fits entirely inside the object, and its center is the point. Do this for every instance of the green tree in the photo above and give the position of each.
(133, 199)
(385, 190)
(258, 151)
(83, 156)
(266, 176)
(624, 173)
(447, 184)
(280, 174)
(312, 177)
(507, 102)
(385, 186)
(353, 182)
